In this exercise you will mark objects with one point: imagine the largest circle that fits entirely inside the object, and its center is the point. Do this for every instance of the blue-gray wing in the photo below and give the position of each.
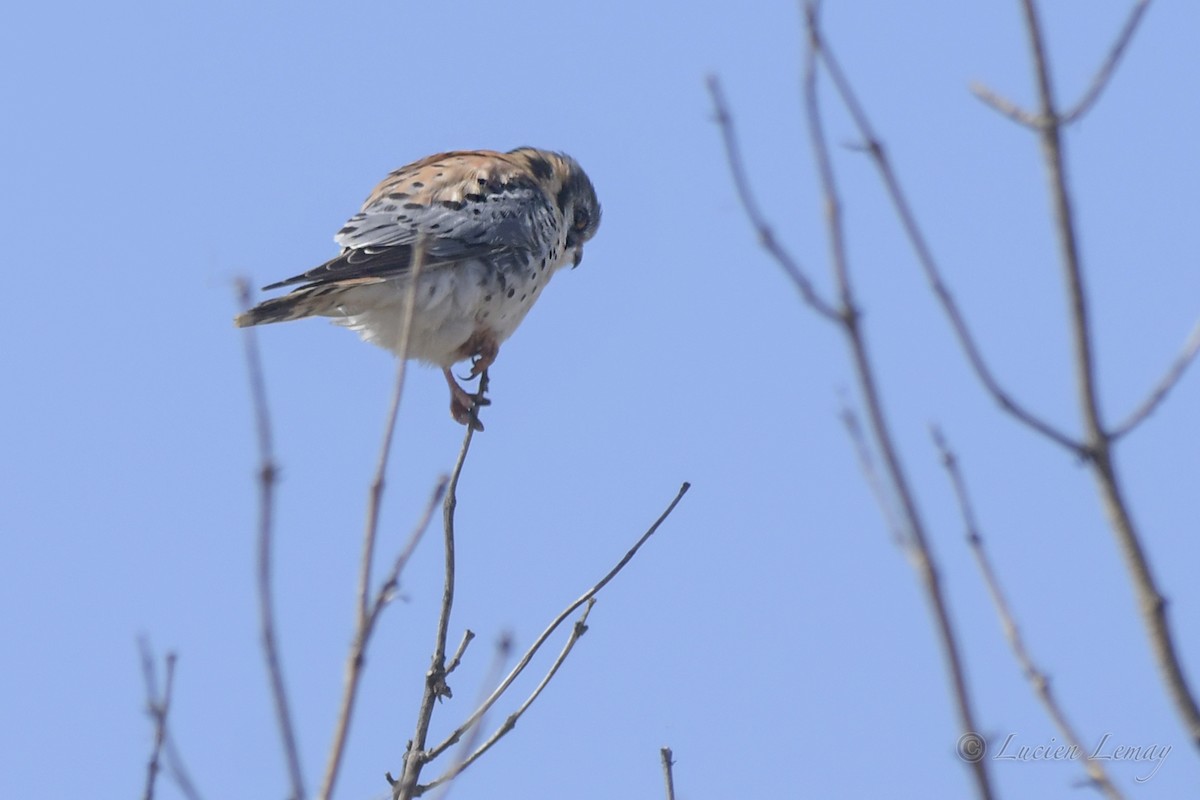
(458, 205)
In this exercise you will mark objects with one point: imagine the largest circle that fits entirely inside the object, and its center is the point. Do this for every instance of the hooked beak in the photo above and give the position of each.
(578, 257)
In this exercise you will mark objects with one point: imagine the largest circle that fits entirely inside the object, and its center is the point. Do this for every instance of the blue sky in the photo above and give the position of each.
(770, 634)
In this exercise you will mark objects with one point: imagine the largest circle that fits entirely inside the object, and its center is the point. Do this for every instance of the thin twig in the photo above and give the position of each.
(766, 236)
(356, 660)
(920, 551)
(1105, 73)
(158, 706)
(456, 659)
(1098, 442)
(668, 764)
(1160, 391)
(267, 475)
(1005, 106)
(1037, 678)
(435, 678)
(545, 634)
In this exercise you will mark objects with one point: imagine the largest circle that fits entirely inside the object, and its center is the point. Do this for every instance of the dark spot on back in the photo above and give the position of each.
(417, 185)
(398, 195)
(540, 168)
(413, 205)
(453, 205)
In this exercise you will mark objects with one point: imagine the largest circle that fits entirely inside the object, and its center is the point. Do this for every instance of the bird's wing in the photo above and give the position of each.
(460, 205)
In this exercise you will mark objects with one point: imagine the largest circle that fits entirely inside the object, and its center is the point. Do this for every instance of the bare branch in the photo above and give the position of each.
(1037, 678)
(766, 236)
(266, 492)
(1098, 442)
(502, 651)
(668, 771)
(1163, 387)
(577, 631)
(929, 265)
(921, 553)
(1105, 73)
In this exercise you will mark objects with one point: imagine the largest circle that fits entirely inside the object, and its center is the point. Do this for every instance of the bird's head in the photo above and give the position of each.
(572, 191)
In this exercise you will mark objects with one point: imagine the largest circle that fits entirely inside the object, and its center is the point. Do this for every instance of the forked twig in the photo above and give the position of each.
(267, 474)
(1098, 441)
(510, 722)
(502, 651)
(1037, 678)
(929, 266)
(541, 639)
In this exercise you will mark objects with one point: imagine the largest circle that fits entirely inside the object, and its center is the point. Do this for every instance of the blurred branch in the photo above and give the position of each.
(668, 771)
(1105, 73)
(1164, 386)
(866, 463)
(1099, 82)
(920, 551)
(1098, 441)
(267, 474)
(356, 660)
(368, 612)
(1037, 678)
(766, 236)
(847, 318)
(933, 272)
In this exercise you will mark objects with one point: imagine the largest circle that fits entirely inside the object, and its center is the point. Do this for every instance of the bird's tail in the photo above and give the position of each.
(308, 301)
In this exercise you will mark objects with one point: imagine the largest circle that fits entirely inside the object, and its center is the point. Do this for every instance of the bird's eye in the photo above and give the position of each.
(582, 219)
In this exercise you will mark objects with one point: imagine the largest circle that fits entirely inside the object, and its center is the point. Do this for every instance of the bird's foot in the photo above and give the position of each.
(464, 406)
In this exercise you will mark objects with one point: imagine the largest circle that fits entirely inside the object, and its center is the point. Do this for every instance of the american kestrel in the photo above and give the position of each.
(493, 228)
